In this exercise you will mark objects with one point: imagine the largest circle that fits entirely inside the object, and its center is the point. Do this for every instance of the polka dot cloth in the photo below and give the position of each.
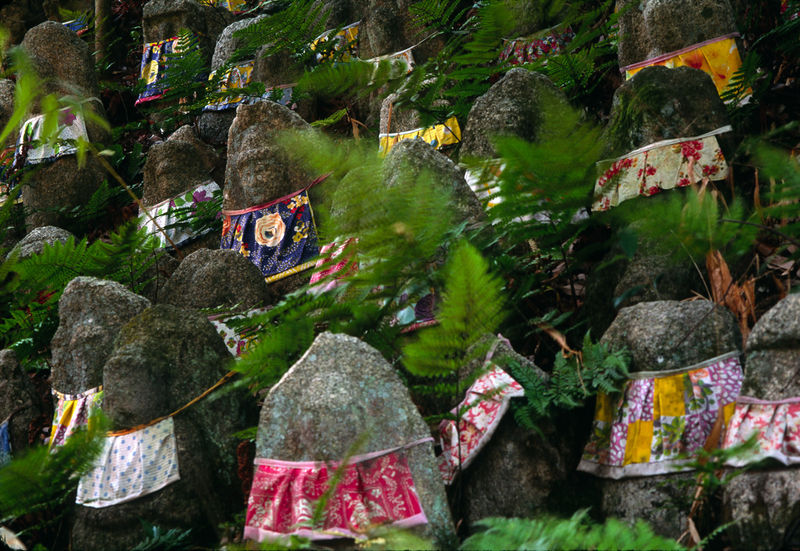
(131, 465)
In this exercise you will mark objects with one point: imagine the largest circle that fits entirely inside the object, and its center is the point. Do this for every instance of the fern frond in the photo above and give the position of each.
(472, 306)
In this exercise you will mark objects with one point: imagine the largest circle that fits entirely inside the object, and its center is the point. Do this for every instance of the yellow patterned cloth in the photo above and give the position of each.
(719, 57)
(73, 411)
(234, 78)
(440, 135)
(234, 6)
(663, 165)
(659, 420)
(346, 41)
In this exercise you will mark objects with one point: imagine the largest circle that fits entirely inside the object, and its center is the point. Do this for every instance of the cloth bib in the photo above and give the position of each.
(238, 76)
(279, 237)
(32, 147)
(178, 210)
(527, 50)
(438, 136)
(479, 414)
(375, 488)
(663, 165)
(776, 425)
(131, 465)
(73, 411)
(660, 416)
(345, 40)
(718, 57)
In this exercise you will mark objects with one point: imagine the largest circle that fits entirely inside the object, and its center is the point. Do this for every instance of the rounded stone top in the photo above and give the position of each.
(779, 327)
(62, 58)
(339, 391)
(35, 241)
(659, 103)
(210, 278)
(668, 334)
(512, 106)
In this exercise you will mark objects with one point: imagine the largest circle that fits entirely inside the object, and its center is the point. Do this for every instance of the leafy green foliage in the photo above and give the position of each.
(41, 481)
(472, 307)
(573, 533)
(157, 539)
(690, 223)
(572, 381)
(28, 319)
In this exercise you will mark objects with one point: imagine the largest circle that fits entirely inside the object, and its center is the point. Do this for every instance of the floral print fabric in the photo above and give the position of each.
(130, 466)
(527, 50)
(32, 146)
(374, 489)
(238, 342)
(233, 6)
(718, 57)
(663, 165)
(238, 76)
(478, 416)
(73, 411)
(279, 237)
(660, 418)
(776, 425)
(440, 135)
(174, 215)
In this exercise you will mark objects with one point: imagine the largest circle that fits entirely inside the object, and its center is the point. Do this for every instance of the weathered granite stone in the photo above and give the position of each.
(209, 278)
(778, 328)
(213, 126)
(158, 274)
(227, 43)
(19, 16)
(765, 502)
(163, 358)
(7, 88)
(387, 26)
(520, 472)
(340, 392)
(411, 160)
(178, 164)
(765, 507)
(649, 276)
(668, 334)
(66, 66)
(163, 19)
(660, 103)
(258, 169)
(18, 401)
(512, 106)
(660, 336)
(35, 241)
(91, 312)
(61, 59)
(654, 27)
